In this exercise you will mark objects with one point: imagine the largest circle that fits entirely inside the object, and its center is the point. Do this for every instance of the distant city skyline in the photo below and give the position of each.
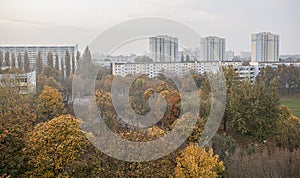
(68, 22)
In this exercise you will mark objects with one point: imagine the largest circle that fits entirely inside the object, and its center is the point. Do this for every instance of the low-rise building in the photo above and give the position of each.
(24, 83)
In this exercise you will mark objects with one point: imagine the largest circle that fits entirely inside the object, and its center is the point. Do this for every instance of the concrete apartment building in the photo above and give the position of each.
(34, 50)
(163, 48)
(212, 48)
(264, 47)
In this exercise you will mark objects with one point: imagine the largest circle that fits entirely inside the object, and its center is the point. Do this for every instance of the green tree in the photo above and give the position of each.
(20, 65)
(49, 104)
(57, 62)
(26, 62)
(187, 58)
(13, 61)
(62, 67)
(73, 64)
(255, 109)
(232, 80)
(6, 60)
(50, 59)
(194, 161)
(39, 64)
(68, 63)
(1, 59)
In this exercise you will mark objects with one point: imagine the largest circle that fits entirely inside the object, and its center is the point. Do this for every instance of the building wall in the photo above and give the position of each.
(25, 83)
(212, 48)
(264, 47)
(163, 48)
(33, 52)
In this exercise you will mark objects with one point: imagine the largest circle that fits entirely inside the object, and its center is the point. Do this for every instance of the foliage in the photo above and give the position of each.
(68, 63)
(43, 80)
(16, 120)
(224, 145)
(58, 148)
(49, 104)
(254, 109)
(39, 64)
(273, 163)
(194, 161)
(288, 129)
(26, 62)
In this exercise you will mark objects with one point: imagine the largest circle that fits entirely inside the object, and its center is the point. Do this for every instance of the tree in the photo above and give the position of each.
(62, 66)
(288, 129)
(6, 60)
(58, 148)
(194, 161)
(50, 59)
(77, 56)
(182, 58)
(16, 120)
(13, 61)
(49, 104)
(187, 57)
(26, 61)
(266, 75)
(1, 59)
(56, 62)
(287, 77)
(20, 65)
(73, 64)
(254, 109)
(39, 64)
(68, 63)
(232, 80)
(43, 80)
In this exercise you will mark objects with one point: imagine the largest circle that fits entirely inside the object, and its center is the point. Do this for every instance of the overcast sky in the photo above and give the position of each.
(60, 22)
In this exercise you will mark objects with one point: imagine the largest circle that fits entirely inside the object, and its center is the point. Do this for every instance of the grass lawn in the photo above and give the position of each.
(293, 103)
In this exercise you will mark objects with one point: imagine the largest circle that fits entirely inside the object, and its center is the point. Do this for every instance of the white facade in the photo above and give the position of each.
(163, 48)
(176, 68)
(34, 50)
(212, 48)
(25, 83)
(264, 47)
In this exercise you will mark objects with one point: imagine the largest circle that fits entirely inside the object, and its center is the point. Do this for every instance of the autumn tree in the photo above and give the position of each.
(195, 161)
(16, 120)
(288, 129)
(26, 62)
(43, 80)
(49, 104)
(39, 64)
(58, 148)
(266, 75)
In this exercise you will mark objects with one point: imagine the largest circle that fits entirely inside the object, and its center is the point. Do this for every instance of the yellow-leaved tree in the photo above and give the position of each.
(49, 104)
(58, 148)
(195, 161)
